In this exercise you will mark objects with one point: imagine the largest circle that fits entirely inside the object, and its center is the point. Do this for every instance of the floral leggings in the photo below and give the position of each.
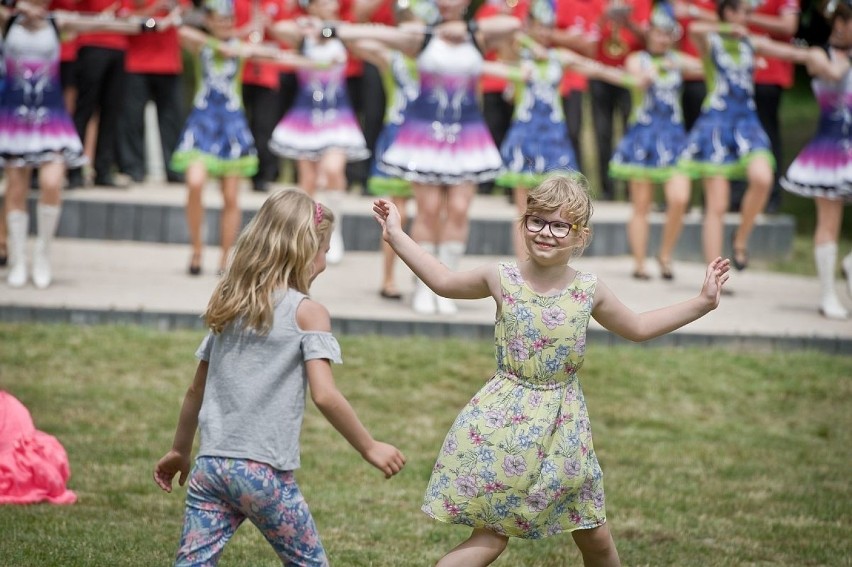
(223, 492)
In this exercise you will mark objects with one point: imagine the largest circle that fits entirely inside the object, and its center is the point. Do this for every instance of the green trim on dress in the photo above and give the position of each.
(245, 166)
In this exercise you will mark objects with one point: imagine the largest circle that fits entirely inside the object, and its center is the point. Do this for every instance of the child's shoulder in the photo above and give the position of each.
(312, 316)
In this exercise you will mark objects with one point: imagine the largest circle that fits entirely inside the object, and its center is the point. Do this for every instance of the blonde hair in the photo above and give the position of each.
(567, 193)
(276, 250)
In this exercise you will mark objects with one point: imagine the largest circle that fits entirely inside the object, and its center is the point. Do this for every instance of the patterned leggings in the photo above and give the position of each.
(224, 492)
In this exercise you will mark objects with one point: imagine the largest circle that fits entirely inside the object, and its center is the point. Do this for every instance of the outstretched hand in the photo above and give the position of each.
(385, 457)
(718, 272)
(171, 464)
(387, 216)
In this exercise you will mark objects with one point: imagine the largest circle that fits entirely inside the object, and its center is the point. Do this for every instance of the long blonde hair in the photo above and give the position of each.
(567, 193)
(276, 250)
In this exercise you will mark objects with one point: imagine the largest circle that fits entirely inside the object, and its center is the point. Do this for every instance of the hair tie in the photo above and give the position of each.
(318, 214)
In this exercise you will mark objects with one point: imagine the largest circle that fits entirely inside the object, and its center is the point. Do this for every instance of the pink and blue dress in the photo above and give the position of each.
(727, 135)
(537, 143)
(35, 128)
(824, 166)
(444, 139)
(322, 118)
(655, 136)
(217, 132)
(401, 85)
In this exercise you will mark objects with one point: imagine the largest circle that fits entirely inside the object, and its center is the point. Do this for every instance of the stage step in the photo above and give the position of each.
(155, 213)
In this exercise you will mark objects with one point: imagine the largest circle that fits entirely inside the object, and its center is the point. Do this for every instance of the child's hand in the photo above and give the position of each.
(385, 457)
(388, 217)
(718, 272)
(166, 469)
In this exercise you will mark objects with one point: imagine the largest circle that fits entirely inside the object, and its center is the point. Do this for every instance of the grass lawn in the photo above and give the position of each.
(710, 457)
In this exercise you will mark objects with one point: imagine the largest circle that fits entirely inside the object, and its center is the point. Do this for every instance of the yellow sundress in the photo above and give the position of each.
(519, 458)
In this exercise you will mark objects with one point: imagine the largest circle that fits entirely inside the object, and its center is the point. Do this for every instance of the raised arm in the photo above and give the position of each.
(610, 312)
(177, 460)
(407, 38)
(473, 284)
(595, 70)
(372, 51)
(312, 316)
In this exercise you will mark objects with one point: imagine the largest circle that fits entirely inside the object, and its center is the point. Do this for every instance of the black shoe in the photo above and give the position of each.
(260, 185)
(75, 179)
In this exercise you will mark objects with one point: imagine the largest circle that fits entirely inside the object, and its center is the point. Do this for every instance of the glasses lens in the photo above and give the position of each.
(560, 229)
(535, 224)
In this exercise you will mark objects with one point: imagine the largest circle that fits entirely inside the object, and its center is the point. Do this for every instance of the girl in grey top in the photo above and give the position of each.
(268, 342)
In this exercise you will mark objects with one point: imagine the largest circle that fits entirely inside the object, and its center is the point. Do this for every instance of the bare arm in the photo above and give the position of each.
(493, 31)
(779, 49)
(830, 69)
(473, 284)
(372, 51)
(407, 38)
(312, 316)
(177, 460)
(595, 70)
(610, 312)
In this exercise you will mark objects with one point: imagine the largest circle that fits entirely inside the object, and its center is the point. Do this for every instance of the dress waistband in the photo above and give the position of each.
(513, 377)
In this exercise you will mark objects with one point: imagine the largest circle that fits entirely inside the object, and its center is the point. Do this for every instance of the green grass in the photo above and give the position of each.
(710, 457)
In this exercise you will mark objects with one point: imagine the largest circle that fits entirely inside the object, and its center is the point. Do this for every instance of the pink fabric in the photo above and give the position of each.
(33, 465)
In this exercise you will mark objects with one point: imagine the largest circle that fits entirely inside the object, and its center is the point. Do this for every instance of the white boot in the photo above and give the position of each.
(18, 226)
(847, 271)
(825, 256)
(449, 253)
(334, 201)
(48, 219)
(424, 300)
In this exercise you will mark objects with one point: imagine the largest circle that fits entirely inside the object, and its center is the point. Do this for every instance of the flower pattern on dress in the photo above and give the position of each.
(519, 459)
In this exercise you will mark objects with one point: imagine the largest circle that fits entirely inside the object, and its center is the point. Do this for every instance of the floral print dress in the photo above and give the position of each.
(519, 458)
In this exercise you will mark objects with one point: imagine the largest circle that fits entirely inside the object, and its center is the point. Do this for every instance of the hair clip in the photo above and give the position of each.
(318, 213)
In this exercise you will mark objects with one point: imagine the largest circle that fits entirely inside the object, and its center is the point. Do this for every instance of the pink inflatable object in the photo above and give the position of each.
(33, 465)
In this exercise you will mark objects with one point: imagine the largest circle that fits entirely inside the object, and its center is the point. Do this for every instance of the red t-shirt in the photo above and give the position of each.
(488, 83)
(260, 73)
(640, 15)
(99, 39)
(354, 66)
(581, 16)
(68, 46)
(768, 70)
(152, 52)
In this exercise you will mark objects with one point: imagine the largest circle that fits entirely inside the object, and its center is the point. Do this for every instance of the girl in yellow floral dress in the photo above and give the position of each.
(519, 459)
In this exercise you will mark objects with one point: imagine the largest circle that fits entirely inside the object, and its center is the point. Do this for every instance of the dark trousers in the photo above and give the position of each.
(166, 90)
(607, 99)
(497, 113)
(691, 101)
(373, 104)
(263, 111)
(572, 106)
(100, 76)
(356, 171)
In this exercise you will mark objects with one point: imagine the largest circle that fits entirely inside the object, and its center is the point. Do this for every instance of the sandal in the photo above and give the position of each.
(641, 275)
(665, 268)
(740, 255)
(4, 255)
